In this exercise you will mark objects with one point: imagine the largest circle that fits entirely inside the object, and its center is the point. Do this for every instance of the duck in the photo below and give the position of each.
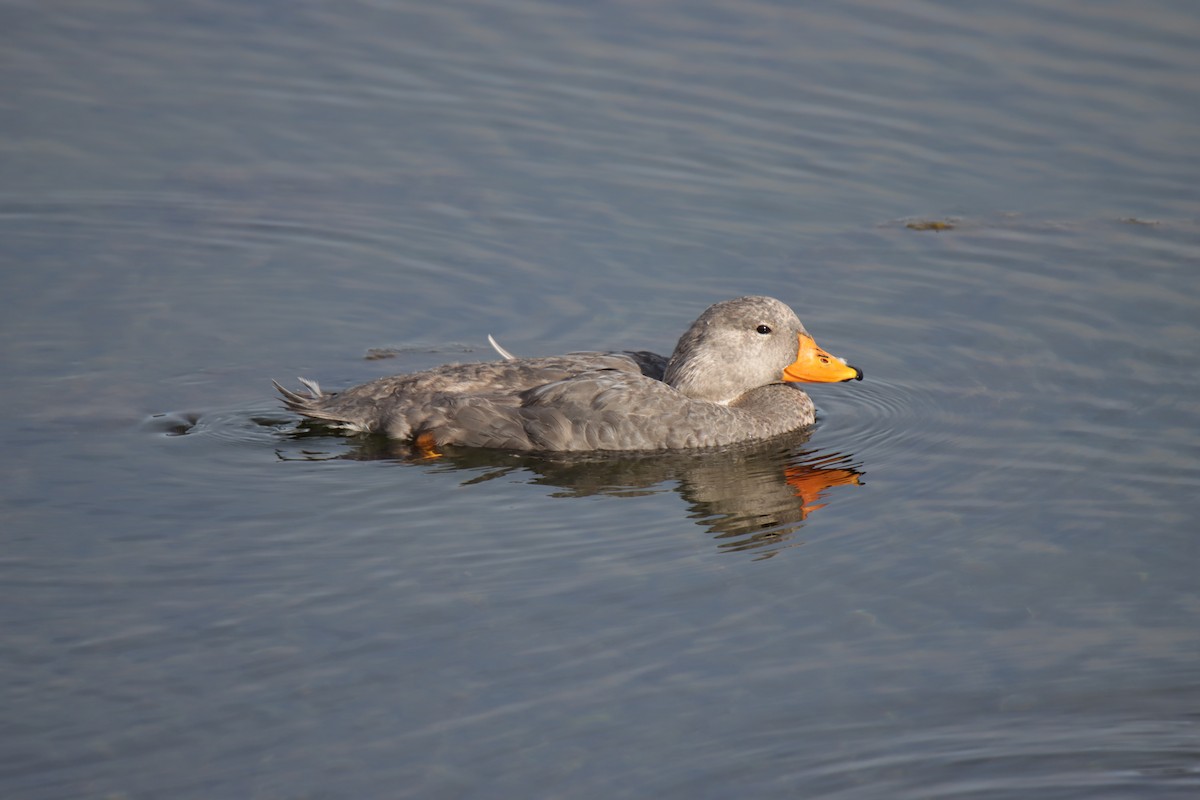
(730, 379)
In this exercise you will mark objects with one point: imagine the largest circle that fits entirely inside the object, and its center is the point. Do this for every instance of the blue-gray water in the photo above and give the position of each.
(979, 578)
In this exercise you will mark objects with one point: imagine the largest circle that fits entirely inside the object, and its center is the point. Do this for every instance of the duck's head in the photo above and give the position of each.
(739, 345)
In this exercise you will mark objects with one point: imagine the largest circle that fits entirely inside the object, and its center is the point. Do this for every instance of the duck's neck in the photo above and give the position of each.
(698, 379)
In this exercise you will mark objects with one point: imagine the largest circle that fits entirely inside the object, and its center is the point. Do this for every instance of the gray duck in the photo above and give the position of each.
(730, 379)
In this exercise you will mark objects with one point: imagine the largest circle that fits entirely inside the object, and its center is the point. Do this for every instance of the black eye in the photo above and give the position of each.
(763, 329)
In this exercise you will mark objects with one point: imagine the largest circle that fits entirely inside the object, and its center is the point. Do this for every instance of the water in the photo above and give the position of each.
(976, 577)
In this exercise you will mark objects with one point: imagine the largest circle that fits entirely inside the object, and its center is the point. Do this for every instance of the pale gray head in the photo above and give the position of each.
(735, 346)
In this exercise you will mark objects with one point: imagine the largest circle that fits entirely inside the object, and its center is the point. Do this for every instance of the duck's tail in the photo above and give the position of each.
(320, 406)
(307, 404)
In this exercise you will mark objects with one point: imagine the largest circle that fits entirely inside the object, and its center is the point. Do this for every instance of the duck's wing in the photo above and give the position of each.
(596, 410)
(401, 404)
(611, 410)
(652, 365)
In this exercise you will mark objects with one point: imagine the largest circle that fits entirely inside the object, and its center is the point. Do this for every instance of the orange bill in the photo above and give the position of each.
(814, 365)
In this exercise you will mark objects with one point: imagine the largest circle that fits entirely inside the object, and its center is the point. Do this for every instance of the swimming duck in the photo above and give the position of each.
(728, 381)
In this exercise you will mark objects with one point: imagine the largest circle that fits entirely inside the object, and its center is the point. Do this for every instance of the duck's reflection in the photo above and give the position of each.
(750, 497)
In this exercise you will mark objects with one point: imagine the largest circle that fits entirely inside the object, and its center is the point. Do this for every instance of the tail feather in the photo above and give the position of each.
(315, 405)
(303, 403)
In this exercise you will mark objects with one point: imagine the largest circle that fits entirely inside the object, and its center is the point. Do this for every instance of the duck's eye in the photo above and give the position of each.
(763, 329)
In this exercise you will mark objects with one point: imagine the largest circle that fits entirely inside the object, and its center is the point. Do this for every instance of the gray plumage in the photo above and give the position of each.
(722, 385)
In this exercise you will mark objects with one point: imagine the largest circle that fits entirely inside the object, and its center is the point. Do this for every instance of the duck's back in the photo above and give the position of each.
(403, 405)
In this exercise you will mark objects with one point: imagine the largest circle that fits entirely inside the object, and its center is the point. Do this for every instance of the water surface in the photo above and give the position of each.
(976, 577)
